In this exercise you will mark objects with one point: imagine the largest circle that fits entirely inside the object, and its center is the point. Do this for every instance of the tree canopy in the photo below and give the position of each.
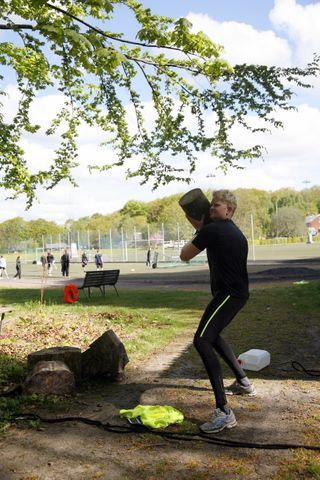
(104, 76)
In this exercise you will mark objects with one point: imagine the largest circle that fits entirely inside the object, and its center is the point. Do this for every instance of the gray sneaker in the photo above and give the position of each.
(237, 389)
(219, 421)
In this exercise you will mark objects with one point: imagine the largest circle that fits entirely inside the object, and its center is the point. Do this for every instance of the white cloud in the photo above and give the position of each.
(292, 158)
(243, 43)
(301, 24)
(99, 193)
(292, 155)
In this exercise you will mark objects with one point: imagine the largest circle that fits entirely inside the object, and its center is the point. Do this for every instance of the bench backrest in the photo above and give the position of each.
(101, 277)
(92, 279)
(110, 277)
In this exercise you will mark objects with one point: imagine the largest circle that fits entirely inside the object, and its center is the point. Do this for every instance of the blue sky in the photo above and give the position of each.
(253, 12)
(275, 32)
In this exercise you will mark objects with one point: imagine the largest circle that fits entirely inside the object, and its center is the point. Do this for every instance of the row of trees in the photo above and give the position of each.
(275, 214)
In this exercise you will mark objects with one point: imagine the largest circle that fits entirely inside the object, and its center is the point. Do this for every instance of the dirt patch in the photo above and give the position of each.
(281, 413)
(175, 376)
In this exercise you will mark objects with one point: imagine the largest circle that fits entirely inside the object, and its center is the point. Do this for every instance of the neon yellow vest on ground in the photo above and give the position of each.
(154, 416)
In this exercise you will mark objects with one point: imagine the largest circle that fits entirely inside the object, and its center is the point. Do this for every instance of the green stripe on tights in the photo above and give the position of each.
(216, 310)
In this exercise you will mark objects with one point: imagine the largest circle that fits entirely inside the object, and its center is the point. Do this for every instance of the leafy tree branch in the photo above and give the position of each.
(100, 74)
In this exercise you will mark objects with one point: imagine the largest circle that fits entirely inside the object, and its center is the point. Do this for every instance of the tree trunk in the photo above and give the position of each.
(105, 356)
(71, 356)
(50, 377)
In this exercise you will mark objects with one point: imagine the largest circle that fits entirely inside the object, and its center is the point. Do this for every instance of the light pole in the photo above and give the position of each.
(277, 220)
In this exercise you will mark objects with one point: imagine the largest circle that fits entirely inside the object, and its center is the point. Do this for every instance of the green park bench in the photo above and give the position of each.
(100, 279)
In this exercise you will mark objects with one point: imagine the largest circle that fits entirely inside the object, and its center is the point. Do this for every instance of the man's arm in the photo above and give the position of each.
(188, 251)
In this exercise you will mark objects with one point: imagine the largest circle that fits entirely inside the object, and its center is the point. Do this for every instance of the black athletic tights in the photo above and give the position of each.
(207, 340)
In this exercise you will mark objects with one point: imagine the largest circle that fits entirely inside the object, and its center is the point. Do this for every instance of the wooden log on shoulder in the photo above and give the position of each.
(71, 356)
(50, 377)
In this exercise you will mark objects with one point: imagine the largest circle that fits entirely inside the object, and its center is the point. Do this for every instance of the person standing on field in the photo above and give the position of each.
(65, 262)
(84, 260)
(50, 262)
(227, 250)
(43, 261)
(3, 266)
(148, 260)
(98, 260)
(18, 267)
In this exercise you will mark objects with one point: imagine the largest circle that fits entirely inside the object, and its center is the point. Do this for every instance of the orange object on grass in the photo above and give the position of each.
(70, 293)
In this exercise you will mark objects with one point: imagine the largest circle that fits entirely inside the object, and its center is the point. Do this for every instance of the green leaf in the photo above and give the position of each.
(77, 38)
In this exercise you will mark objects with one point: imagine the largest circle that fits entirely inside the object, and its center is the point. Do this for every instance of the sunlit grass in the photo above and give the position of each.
(283, 320)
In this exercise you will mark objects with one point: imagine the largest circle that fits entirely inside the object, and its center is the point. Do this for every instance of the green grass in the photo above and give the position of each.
(274, 319)
(143, 320)
(283, 320)
(277, 318)
(304, 466)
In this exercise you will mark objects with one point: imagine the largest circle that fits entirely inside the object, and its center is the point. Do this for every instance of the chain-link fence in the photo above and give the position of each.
(164, 243)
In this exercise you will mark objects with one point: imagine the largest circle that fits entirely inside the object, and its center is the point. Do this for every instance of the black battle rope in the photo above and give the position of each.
(187, 437)
(300, 368)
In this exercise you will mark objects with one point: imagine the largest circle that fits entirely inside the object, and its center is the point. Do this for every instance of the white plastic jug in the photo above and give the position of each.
(254, 359)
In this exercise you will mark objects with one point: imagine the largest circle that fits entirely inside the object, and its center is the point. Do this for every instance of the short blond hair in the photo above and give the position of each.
(227, 197)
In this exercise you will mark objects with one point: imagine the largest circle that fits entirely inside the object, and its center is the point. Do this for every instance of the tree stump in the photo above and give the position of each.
(71, 356)
(105, 356)
(50, 377)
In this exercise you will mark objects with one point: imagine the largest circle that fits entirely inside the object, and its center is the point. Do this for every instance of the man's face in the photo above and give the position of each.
(219, 210)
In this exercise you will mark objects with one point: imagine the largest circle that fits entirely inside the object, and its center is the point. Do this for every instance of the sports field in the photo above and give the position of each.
(135, 274)
(289, 251)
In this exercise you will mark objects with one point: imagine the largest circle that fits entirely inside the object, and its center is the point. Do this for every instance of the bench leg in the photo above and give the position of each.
(116, 289)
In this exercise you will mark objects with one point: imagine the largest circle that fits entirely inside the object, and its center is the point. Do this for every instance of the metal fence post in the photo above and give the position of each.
(111, 252)
(135, 243)
(162, 227)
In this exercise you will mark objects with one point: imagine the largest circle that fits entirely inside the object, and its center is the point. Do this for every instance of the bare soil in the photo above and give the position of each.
(73, 450)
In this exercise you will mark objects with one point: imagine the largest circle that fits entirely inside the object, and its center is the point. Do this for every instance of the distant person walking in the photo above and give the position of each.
(65, 262)
(98, 260)
(148, 260)
(50, 262)
(84, 260)
(3, 267)
(43, 261)
(18, 267)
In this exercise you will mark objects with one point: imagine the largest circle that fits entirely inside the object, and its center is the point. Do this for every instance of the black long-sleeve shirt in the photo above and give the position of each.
(227, 252)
